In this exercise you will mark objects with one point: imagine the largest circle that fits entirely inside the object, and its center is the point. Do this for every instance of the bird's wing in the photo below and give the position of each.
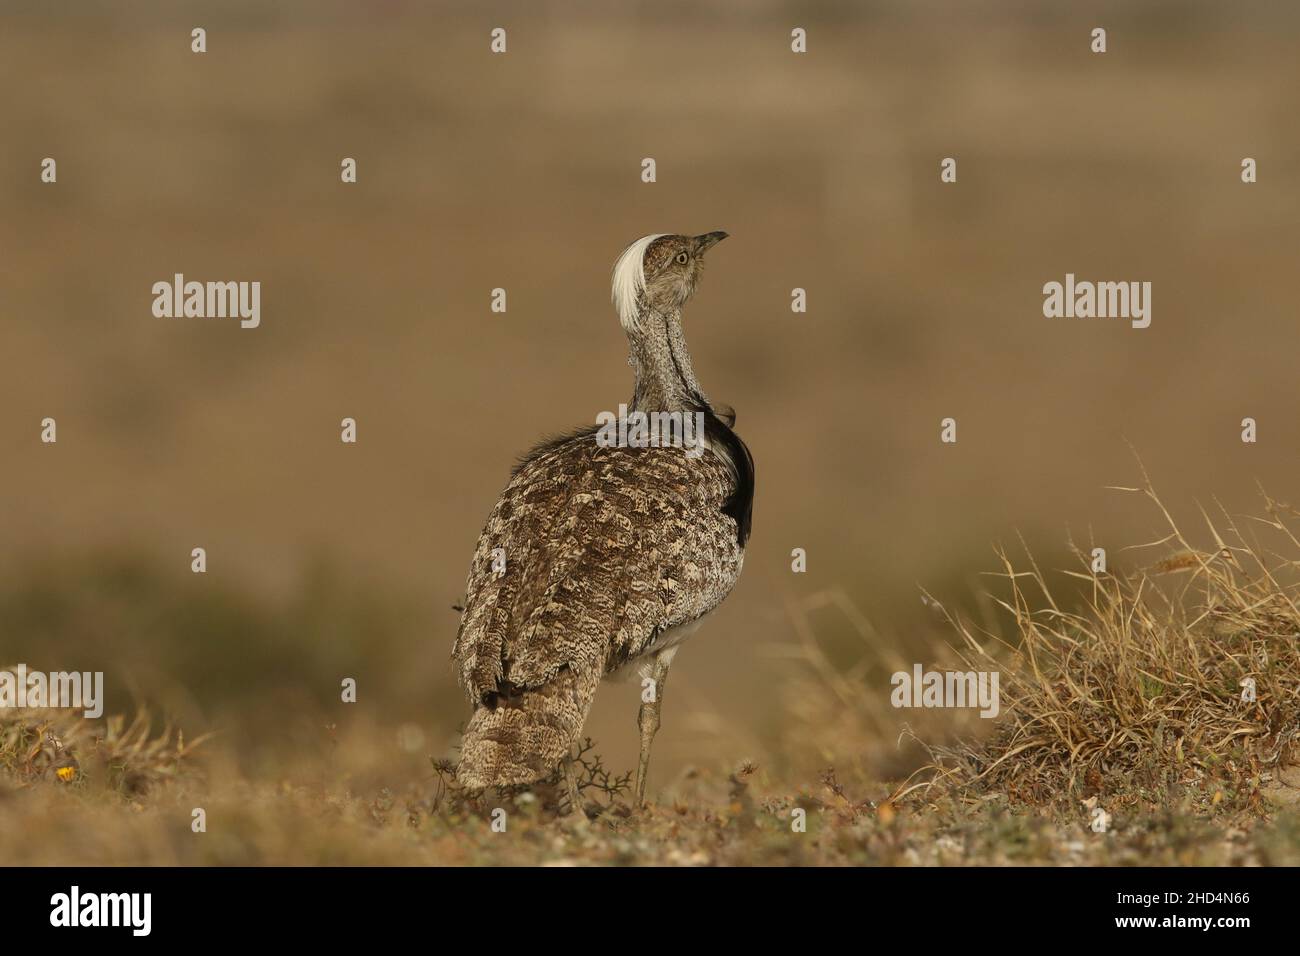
(604, 548)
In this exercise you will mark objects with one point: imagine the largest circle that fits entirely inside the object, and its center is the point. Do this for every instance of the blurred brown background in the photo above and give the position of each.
(522, 171)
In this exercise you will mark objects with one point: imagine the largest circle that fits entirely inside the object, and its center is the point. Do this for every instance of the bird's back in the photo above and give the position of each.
(605, 549)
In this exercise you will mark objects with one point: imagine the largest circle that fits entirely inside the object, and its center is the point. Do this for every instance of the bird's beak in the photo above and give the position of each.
(707, 241)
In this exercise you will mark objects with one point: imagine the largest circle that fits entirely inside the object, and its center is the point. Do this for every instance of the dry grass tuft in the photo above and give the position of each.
(64, 747)
(1144, 694)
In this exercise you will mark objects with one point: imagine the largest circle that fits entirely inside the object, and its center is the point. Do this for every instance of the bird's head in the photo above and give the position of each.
(658, 274)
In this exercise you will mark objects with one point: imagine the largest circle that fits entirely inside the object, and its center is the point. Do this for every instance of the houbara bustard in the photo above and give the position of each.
(599, 556)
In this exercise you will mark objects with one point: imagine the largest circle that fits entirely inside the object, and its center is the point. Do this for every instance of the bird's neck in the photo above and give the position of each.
(665, 378)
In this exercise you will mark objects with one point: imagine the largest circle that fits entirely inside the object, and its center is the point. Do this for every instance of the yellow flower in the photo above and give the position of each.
(66, 773)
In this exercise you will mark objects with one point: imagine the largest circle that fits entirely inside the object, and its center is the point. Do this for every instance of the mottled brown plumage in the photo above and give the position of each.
(610, 553)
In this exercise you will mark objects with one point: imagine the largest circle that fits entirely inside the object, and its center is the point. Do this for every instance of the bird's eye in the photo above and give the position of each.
(682, 258)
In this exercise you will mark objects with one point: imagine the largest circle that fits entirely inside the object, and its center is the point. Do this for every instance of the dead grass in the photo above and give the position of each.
(1143, 696)
(65, 748)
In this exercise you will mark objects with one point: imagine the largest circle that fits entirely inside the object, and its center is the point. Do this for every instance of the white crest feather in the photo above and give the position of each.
(629, 280)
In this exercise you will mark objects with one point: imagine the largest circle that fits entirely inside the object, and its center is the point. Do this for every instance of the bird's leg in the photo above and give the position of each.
(652, 699)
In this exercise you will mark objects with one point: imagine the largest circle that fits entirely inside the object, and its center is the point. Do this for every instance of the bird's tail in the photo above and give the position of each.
(522, 737)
